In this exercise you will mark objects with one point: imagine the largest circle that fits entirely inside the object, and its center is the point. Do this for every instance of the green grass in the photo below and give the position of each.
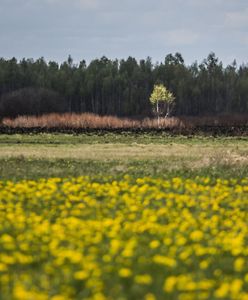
(61, 155)
(123, 138)
(23, 168)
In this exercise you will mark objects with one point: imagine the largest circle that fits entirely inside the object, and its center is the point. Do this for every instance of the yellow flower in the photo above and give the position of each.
(145, 279)
(154, 244)
(236, 286)
(125, 272)
(222, 291)
(169, 284)
(166, 261)
(239, 264)
(196, 235)
(150, 296)
(81, 275)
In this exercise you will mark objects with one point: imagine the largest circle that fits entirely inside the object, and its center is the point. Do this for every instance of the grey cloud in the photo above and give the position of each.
(237, 19)
(181, 37)
(117, 28)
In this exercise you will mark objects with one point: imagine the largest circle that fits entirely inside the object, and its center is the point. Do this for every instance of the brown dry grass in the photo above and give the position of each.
(88, 120)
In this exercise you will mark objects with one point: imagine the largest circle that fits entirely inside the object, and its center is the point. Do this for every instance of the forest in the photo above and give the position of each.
(121, 87)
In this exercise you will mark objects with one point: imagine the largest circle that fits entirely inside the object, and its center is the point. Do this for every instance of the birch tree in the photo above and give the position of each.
(162, 100)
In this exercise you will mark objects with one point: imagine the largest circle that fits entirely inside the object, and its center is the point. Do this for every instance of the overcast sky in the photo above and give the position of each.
(89, 29)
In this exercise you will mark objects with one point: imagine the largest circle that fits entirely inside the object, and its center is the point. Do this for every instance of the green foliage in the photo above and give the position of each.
(162, 100)
(161, 93)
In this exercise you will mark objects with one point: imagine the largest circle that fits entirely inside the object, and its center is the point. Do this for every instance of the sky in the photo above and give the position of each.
(89, 29)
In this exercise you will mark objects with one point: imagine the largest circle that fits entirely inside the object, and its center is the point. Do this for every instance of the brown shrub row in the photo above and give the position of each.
(88, 120)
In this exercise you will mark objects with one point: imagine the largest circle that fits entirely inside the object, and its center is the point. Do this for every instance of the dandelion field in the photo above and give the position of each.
(81, 238)
(132, 227)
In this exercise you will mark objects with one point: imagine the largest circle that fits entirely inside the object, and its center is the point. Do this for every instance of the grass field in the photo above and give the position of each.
(123, 217)
(46, 155)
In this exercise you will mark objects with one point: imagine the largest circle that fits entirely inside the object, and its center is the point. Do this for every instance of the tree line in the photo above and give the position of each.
(121, 87)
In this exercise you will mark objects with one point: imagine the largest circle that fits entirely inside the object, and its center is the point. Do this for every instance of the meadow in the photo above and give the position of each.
(156, 155)
(123, 216)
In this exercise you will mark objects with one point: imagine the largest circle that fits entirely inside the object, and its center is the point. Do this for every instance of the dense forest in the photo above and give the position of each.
(121, 87)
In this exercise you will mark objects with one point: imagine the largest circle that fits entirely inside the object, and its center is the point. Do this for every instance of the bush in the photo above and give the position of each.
(31, 101)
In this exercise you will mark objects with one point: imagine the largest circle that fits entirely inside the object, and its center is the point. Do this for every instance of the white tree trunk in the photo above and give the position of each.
(158, 115)
(167, 111)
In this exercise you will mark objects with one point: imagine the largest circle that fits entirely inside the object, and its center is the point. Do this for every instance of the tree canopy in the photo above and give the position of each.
(162, 100)
(161, 93)
(123, 87)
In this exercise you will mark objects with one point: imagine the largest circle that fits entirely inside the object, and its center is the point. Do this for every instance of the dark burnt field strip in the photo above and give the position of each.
(186, 131)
